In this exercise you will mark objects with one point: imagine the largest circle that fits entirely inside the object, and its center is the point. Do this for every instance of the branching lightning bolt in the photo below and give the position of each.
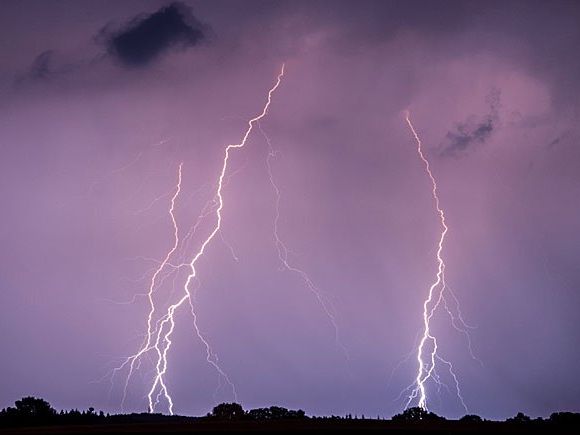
(427, 357)
(147, 344)
(283, 251)
(159, 333)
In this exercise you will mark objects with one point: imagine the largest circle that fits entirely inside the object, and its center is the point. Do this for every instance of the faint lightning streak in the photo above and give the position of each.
(211, 357)
(455, 380)
(283, 251)
(126, 165)
(459, 324)
(229, 246)
(151, 204)
(116, 171)
(162, 357)
(463, 323)
(425, 370)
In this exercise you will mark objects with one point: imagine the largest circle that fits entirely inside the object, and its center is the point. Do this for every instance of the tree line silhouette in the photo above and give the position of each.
(35, 411)
(32, 411)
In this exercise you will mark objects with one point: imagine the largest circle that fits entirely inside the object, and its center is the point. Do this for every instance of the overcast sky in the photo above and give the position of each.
(100, 101)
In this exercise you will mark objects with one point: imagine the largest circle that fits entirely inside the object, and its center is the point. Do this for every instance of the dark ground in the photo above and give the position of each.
(308, 426)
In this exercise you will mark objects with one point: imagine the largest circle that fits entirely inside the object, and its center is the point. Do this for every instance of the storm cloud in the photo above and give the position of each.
(145, 38)
(471, 133)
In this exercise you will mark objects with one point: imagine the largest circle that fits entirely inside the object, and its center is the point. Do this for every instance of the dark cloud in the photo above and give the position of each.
(45, 67)
(41, 66)
(145, 38)
(467, 135)
(470, 133)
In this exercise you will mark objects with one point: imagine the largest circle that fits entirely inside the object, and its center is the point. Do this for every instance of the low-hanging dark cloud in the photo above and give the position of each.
(470, 133)
(145, 38)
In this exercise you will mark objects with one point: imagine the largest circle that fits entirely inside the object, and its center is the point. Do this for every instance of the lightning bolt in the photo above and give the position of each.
(147, 345)
(427, 350)
(158, 337)
(283, 251)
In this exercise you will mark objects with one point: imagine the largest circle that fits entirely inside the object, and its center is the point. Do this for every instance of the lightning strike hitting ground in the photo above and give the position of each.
(132, 360)
(427, 350)
(283, 251)
(158, 336)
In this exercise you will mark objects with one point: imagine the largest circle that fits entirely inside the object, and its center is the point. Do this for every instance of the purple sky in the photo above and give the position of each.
(92, 132)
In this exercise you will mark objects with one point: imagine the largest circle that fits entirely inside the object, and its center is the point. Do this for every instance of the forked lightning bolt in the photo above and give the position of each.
(148, 345)
(158, 338)
(427, 350)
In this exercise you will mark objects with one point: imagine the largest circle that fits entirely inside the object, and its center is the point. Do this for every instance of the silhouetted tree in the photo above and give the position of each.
(565, 418)
(34, 407)
(275, 413)
(259, 414)
(228, 411)
(278, 413)
(297, 414)
(519, 418)
(471, 418)
(416, 414)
